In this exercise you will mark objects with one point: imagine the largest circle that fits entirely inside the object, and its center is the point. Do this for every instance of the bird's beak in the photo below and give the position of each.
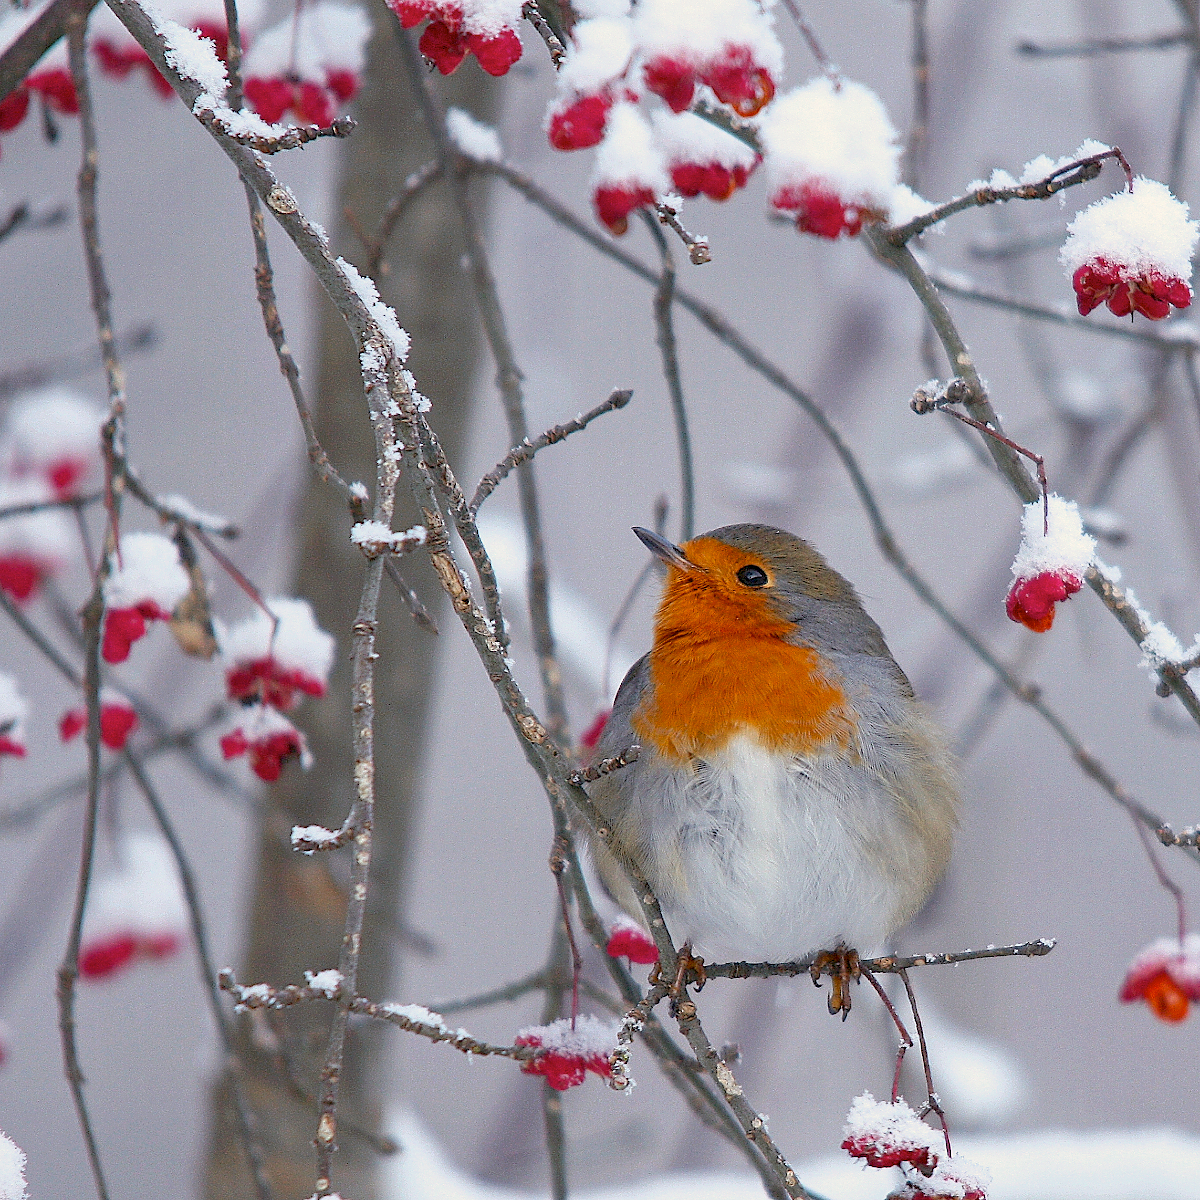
(667, 551)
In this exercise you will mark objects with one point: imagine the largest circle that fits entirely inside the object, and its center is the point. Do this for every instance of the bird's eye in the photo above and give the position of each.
(752, 576)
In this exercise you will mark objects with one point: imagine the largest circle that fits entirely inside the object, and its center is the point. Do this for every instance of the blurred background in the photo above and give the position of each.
(1019, 1046)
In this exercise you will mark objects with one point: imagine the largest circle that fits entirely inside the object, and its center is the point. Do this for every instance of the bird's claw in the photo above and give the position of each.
(689, 971)
(841, 964)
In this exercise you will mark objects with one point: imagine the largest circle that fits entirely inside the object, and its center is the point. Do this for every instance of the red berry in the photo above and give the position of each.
(160, 945)
(13, 108)
(411, 12)
(57, 88)
(614, 204)
(234, 745)
(739, 82)
(580, 124)
(443, 46)
(104, 957)
(343, 84)
(313, 105)
(117, 722)
(632, 942)
(495, 53)
(1030, 602)
(11, 747)
(20, 576)
(270, 98)
(672, 79)
(591, 735)
(71, 723)
(122, 627)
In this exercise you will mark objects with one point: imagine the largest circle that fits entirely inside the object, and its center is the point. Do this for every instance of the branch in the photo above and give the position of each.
(1093, 46)
(664, 324)
(888, 965)
(524, 452)
(1082, 170)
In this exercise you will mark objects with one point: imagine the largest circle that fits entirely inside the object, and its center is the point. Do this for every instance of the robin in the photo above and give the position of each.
(791, 795)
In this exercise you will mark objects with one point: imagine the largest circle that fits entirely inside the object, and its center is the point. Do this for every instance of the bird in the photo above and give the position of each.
(790, 797)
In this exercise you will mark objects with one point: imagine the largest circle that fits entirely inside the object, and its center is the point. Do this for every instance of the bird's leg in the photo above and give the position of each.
(689, 969)
(841, 965)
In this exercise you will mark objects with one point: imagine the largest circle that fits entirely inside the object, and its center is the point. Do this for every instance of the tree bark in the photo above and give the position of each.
(297, 911)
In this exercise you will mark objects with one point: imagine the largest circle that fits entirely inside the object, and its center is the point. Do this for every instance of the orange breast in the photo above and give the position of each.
(720, 667)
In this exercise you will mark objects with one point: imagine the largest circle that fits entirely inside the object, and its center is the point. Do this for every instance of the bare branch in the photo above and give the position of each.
(887, 965)
(556, 433)
(1094, 46)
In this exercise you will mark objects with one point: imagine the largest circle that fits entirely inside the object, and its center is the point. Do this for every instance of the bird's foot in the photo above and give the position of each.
(689, 970)
(841, 965)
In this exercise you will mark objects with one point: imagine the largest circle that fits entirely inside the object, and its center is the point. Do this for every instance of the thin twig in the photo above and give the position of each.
(420, 614)
(697, 247)
(533, 14)
(414, 186)
(532, 982)
(664, 324)
(292, 138)
(1082, 170)
(814, 45)
(933, 1102)
(264, 282)
(93, 614)
(555, 434)
(887, 965)
(918, 131)
(1093, 46)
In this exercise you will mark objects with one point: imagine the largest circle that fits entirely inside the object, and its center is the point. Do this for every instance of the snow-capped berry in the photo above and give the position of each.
(1133, 252)
(629, 171)
(1051, 562)
(147, 585)
(1166, 975)
(886, 1135)
(53, 433)
(117, 720)
(14, 708)
(627, 939)
(268, 739)
(831, 156)
(703, 158)
(484, 28)
(310, 63)
(270, 663)
(728, 44)
(34, 546)
(954, 1178)
(571, 1050)
(136, 910)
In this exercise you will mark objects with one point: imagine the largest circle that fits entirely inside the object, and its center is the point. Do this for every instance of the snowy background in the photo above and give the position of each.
(1021, 1048)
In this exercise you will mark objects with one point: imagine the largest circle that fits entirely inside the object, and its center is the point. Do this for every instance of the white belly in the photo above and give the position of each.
(762, 857)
